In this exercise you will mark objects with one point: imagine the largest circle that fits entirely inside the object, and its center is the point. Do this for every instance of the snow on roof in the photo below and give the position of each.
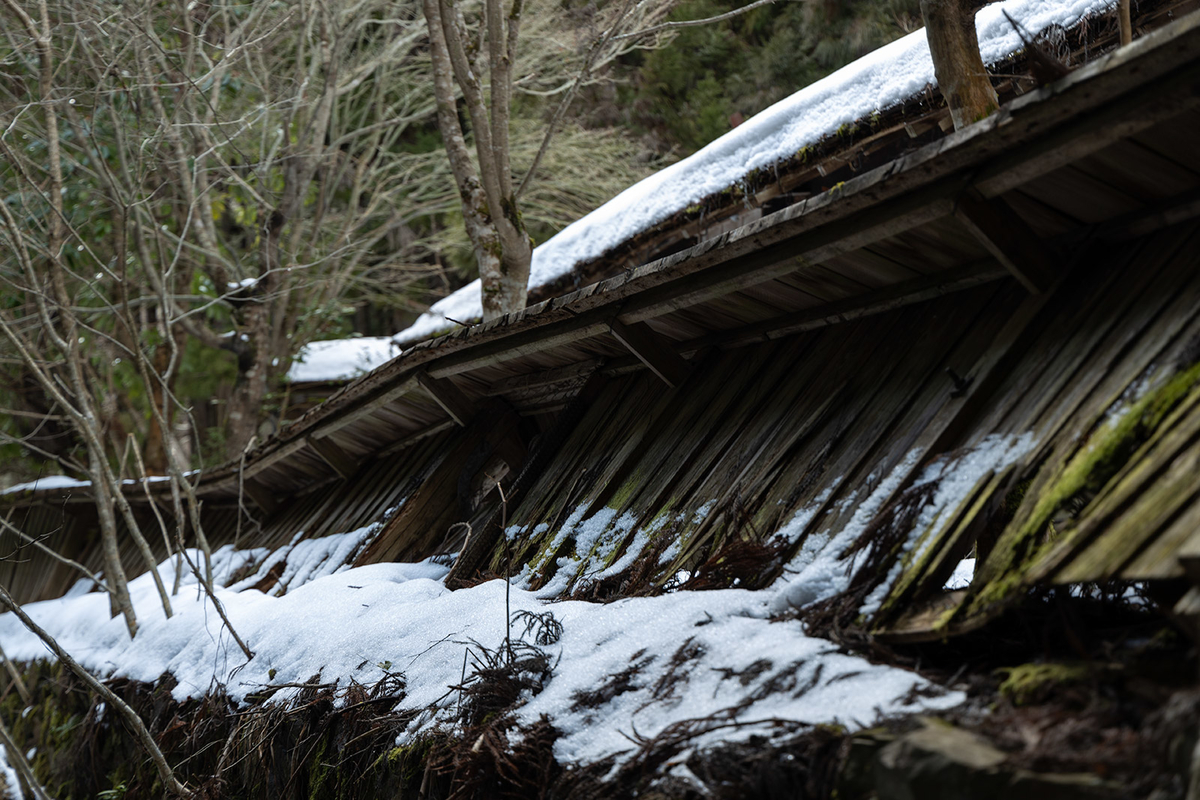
(877, 81)
(48, 482)
(342, 359)
(66, 482)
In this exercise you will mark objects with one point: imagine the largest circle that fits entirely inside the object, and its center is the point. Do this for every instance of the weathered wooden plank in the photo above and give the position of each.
(1073, 192)
(879, 301)
(572, 372)
(860, 229)
(364, 408)
(1138, 171)
(1189, 557)
(1172, 211)
(422, 521)
(262, 497)
(1160, 559)
(1103, 553)
(1169, 93)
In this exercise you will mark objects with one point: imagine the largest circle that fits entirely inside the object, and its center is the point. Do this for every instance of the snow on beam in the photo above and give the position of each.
(1009, 238)
(448, 396)
(342, 462)
(652, 350)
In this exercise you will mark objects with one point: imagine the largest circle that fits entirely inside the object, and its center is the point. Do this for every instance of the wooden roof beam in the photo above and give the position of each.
(449, 397)
(1009, 239)
(342, 462)
(652, 350)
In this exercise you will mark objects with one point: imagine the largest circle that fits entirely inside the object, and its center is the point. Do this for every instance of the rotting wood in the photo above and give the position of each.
(902, 294)
(1089, 132)
(342, 462)
(1009, 239)
(482, 541)
(1169, 212)
(449, 397)
(364, 409)
(578, 371)
(652, 350)
(432, 506)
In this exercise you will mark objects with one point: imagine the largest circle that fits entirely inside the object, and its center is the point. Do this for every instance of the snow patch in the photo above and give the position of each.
(342, 359)
(963, 574)
(697, 654)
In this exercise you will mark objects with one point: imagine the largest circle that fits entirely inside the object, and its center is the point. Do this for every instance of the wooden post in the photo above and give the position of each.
(957, 65)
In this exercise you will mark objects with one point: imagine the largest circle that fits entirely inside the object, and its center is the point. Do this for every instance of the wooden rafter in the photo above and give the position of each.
(449, 397)
(1009, 239)
(342, 462)
(652, 350)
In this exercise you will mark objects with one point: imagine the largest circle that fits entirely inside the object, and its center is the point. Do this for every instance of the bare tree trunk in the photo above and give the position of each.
(493, 220)
(156, 437)
(957, 64)
(1126, 22)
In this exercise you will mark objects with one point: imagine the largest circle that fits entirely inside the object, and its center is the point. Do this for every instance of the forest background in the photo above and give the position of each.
(235, 181)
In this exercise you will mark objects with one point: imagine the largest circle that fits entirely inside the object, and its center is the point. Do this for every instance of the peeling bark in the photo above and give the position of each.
(957, 64)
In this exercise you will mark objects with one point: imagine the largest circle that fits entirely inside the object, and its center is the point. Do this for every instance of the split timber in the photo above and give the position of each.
(1031, 273)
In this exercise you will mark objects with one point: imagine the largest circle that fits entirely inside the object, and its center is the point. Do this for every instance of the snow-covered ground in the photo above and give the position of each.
(624, 669)
(355, 624)
(877, 81)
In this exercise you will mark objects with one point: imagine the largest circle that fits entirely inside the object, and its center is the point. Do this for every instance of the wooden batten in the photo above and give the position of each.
(342, 462)
(652, 350)
(1009, 238)
(449, 397)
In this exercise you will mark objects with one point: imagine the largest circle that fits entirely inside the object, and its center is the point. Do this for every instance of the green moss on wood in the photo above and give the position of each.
(1061, 500)
(1030, 683)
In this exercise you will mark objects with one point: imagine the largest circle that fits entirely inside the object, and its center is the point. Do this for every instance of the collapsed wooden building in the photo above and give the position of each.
(1030, 280)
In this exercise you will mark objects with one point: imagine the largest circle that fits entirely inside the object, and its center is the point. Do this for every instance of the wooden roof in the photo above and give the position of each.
(1045, 254)
(1110, 145)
